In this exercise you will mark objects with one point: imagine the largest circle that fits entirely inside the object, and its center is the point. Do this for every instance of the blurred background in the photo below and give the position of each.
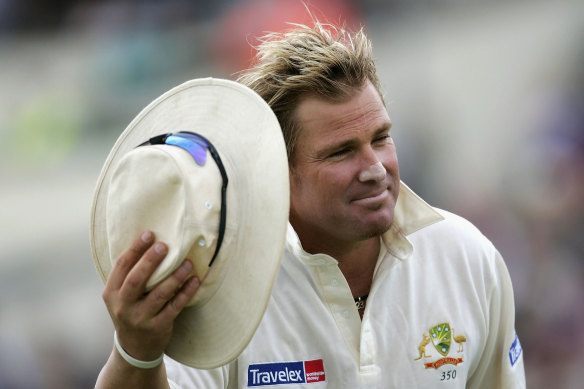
(486, 97)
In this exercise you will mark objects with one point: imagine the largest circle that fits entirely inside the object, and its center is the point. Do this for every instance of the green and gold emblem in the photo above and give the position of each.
(441, 337)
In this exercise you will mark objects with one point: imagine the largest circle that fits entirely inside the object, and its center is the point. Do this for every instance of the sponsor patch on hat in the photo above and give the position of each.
(281, 373)
(515, 351)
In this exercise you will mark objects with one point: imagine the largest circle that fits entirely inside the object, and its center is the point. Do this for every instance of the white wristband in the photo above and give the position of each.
(133, 361)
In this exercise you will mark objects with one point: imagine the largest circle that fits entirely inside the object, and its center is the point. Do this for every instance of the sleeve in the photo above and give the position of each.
(501, 364)
(184, 377)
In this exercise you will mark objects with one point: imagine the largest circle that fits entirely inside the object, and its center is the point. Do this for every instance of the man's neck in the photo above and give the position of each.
(357, 259)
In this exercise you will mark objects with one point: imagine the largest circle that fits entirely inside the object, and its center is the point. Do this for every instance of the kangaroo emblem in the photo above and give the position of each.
(422, 347)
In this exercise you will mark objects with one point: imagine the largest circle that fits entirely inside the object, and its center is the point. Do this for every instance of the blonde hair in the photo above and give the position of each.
(325, 60)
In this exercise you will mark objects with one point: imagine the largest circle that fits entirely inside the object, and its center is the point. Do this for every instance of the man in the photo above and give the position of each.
(370, 287)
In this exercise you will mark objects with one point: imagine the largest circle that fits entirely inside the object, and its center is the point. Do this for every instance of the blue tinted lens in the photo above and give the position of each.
(196, 146)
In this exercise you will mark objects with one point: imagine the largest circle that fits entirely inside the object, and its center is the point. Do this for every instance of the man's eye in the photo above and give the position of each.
(381, 140)
(339, 153)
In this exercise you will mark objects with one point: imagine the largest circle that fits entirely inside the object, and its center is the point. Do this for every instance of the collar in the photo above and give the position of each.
(411, 214)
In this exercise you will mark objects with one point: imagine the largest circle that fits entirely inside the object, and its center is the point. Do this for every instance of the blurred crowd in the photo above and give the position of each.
(487, 100)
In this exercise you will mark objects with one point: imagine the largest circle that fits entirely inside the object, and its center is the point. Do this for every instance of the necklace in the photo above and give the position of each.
(360, 301)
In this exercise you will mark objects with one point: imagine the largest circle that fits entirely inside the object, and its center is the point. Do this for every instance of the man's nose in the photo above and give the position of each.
(375, 172)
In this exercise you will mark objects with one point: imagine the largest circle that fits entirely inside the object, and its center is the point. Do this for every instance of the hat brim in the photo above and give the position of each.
(244, 130)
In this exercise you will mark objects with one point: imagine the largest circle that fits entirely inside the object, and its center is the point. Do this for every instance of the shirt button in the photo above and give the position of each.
(335, 282)
(345, 314)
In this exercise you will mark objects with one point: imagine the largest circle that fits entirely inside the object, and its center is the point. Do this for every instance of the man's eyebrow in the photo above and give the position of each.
(384, 128)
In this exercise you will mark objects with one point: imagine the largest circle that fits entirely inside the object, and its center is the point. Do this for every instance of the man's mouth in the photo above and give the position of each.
(372, 198)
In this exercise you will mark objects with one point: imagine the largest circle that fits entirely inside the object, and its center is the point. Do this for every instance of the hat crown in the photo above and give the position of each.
(162, 187)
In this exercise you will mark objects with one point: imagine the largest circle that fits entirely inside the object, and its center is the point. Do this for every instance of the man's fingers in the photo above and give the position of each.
(180, 300)
(167, 289)
(134, 285)
(128, 259)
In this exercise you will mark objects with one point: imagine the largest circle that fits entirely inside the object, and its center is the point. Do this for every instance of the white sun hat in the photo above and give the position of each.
(224, 168)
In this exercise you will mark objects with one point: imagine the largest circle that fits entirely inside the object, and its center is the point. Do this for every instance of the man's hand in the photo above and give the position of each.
(144, 321)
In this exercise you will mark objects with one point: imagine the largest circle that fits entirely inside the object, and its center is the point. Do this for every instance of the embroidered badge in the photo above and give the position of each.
(441, 337)
(281, 373)
(515, 351)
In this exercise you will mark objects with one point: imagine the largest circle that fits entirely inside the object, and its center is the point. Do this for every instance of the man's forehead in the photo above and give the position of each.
(365, 107)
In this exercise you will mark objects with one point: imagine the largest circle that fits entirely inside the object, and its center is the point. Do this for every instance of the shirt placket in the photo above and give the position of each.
(338, 297)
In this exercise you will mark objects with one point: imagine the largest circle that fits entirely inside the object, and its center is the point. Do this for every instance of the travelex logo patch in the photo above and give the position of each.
(515, 351)
(281, 373)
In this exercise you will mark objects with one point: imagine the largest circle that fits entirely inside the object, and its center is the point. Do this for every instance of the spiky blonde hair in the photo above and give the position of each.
(325, 60)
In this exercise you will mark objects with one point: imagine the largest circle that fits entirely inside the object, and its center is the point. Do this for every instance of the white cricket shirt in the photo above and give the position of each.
(440, 314)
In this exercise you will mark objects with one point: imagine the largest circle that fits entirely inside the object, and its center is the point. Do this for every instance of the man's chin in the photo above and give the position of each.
(375, 228)
(376, 232)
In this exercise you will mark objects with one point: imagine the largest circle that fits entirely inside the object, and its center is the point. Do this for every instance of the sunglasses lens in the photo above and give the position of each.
(196, 146)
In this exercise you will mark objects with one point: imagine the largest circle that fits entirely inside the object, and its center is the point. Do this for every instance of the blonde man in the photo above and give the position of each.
(364, 276)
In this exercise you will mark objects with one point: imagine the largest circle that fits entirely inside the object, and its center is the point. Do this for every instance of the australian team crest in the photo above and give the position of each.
(441, 337)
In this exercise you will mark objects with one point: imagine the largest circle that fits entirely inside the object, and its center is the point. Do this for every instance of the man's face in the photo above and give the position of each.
(344, 175)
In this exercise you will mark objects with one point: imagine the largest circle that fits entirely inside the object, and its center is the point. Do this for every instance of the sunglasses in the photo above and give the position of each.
(197, 145)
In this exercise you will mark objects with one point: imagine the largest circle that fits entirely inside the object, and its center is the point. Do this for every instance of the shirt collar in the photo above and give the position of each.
(411, 214)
